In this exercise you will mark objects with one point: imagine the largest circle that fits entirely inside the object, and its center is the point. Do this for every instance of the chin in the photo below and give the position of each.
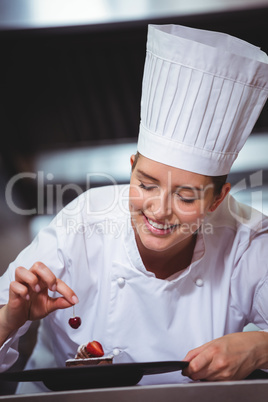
(157, 245)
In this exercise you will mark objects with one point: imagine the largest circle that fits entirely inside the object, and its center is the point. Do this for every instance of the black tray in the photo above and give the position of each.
(111, 375)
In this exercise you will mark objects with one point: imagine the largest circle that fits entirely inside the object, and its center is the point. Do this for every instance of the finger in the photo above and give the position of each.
(28, 278)
(191, 355)
(49, 280)
(66, 291)
(197, 368)
(45, 275)
(18, 290)
(195, 352)
(58, 303)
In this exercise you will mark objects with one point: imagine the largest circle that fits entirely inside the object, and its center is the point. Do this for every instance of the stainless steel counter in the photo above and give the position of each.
(246, 391)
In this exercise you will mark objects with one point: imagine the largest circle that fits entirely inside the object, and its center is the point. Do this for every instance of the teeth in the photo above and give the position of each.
(159, 225)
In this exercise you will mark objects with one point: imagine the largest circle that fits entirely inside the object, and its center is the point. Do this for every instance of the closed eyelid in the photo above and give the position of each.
(188, 197)
(147, 186)
(187, 194)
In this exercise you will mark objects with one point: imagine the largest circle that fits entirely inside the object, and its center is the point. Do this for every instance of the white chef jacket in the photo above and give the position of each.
(91, 246)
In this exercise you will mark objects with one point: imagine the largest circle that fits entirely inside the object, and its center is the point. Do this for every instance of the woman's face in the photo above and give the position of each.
(168, 204)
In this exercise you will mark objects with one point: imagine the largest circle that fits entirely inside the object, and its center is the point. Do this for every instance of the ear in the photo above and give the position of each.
(132, 158)
(219, 198)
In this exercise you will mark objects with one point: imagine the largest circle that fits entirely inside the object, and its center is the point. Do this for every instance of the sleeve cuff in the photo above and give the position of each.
(9, 350)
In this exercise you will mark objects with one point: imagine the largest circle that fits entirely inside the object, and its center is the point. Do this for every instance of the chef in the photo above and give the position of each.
(171, 266)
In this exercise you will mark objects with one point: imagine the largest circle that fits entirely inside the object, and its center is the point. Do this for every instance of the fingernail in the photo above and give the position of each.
(37, 288)
(54, 287)
(75, 299)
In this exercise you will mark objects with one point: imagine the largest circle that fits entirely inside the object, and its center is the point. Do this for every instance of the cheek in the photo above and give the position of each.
(190, 213)
(133, 206)
(135, 198)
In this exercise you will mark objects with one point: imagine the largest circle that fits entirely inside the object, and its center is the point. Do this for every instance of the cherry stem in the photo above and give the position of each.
(73, 311)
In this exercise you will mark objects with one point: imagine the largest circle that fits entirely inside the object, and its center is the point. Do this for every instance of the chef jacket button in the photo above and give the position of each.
(121, 282)
(199, 282)
(116, 352)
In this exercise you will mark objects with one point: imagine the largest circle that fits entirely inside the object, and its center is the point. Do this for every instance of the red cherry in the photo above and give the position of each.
(75, 322)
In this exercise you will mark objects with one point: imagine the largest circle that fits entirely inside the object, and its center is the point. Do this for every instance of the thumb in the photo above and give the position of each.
(191, 355)
(58, 303)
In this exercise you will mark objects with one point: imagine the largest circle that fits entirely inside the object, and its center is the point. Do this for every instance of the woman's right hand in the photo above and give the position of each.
(29, 299)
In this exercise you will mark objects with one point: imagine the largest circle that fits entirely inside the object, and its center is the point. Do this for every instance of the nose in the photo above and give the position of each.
(160, 206)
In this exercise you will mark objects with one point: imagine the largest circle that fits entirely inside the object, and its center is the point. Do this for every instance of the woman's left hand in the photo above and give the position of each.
(231, 357)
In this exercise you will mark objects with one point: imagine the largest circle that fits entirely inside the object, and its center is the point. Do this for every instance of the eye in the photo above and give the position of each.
(147, 188)
(186, 200)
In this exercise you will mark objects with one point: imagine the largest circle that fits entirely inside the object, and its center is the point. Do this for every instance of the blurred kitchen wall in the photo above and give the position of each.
(71, 81)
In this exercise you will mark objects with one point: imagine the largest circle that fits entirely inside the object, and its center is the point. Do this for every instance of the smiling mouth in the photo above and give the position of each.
(161, 226)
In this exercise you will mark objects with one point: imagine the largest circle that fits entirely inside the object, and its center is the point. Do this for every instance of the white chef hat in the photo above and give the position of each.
(202, 93)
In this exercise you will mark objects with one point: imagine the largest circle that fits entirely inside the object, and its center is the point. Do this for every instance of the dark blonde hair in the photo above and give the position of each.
(218, 181)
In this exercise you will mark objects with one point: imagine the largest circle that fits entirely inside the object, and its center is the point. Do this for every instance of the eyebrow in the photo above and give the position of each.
(147, 175)
(179, 187)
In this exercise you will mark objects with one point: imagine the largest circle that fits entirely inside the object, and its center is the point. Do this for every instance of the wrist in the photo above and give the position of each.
(263, 355)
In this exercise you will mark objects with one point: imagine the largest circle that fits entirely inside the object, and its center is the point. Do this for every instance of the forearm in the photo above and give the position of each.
(9, 349)
(5, 328)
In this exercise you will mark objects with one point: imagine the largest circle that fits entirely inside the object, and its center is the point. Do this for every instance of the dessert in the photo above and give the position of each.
(89, 354)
